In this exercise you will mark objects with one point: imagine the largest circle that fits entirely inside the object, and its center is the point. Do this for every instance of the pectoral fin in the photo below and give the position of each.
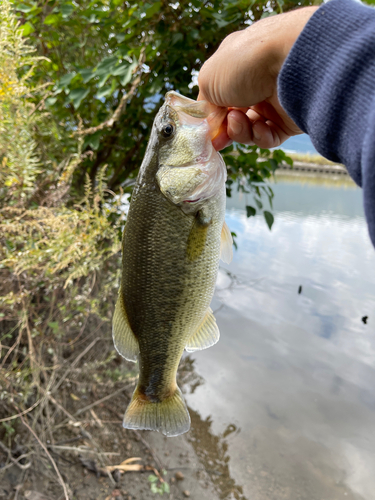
(226, 244)
(124, 339)
(197, 236)
(206, 335)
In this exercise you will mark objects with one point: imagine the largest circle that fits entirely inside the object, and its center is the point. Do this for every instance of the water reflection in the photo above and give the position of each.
(211, 449)
(295, 372)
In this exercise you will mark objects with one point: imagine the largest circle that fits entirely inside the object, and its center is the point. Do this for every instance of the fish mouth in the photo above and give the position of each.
(215, 115)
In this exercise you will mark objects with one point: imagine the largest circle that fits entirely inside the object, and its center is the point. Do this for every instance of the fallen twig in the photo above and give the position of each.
(126, 466)
(88, 407)
(13, 346)
(49, 456)
(81, 450)
(75, 362)
(23, 412)
(15, 461)
(74, 421)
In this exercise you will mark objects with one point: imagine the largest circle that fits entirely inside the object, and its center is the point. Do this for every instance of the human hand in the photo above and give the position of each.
(242, 76)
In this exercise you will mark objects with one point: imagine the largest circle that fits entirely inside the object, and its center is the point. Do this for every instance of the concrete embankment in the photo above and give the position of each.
(313, 168)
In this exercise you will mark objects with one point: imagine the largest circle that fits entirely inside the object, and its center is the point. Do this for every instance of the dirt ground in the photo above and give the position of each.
(73, 445)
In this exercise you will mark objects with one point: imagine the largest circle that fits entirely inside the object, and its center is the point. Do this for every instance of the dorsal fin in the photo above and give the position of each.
(124, 339)
(226, 244)
(206, 335)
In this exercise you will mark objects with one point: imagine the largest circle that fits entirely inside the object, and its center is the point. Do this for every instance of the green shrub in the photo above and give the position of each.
(59, 257)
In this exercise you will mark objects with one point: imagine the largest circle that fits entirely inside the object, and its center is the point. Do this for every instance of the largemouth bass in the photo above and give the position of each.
(173, 238)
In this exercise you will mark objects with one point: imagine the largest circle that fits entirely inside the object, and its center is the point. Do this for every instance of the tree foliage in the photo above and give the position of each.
(108, 55)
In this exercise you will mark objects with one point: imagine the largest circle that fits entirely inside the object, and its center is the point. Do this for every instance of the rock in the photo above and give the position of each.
(186, 493)
(179, 476)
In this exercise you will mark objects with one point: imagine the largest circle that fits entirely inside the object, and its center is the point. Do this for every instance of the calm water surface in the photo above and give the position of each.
(283, 407)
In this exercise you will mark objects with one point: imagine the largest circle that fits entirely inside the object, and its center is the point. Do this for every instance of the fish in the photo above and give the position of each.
(174, 236)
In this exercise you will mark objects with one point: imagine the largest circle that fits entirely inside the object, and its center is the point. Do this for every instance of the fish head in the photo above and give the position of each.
(190, 169)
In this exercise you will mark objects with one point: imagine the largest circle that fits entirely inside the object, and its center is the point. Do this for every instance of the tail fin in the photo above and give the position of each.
(170, 416)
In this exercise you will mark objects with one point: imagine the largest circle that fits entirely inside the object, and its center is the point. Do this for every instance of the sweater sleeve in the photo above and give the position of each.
(327, 86)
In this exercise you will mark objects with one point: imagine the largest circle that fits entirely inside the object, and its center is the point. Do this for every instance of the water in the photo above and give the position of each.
(283, 407)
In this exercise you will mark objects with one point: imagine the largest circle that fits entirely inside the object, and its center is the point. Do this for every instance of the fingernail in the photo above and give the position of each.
(235, 125)
(256, 135)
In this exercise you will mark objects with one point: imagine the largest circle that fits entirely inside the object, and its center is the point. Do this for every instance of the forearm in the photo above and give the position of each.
(327, 86)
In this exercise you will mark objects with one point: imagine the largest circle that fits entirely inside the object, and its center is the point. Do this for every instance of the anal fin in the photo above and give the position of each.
(206, 335)
(124, 339)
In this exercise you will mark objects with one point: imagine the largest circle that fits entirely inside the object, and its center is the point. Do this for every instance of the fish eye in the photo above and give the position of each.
(168, 130)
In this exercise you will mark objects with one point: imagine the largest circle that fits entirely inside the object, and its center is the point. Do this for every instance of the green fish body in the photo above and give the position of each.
(174, 234)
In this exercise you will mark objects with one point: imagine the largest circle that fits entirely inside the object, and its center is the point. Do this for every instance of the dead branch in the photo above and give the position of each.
(79, 449)
(13, 346)
(123, 389)
(49, 456)
(83, 431)
(14, 461)
(22, 413)
(123, 102)
(75, 362)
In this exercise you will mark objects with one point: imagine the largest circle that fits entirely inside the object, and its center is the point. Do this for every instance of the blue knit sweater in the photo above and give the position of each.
(327, 86)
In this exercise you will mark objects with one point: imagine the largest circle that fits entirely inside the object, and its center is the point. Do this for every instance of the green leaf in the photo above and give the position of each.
(87, 74)
(27, 28)
(288, 160)
(25, 8)
(120, 37)
(54, 326)
(152, 478)
(153, 9)
(65, 80)
(177, 37)
(106, 66)
(121, 69)
(104, 92)
(103, 79)
(234, 236)
(77, 95)
(250, 211)
(128, 75)
(66, 10)
(269, 218)
(165, 487)
(92, 140)
(52, 19)
(51, 101)
(273, 164)
(258, 203)
(154, 488)
(220, 21)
